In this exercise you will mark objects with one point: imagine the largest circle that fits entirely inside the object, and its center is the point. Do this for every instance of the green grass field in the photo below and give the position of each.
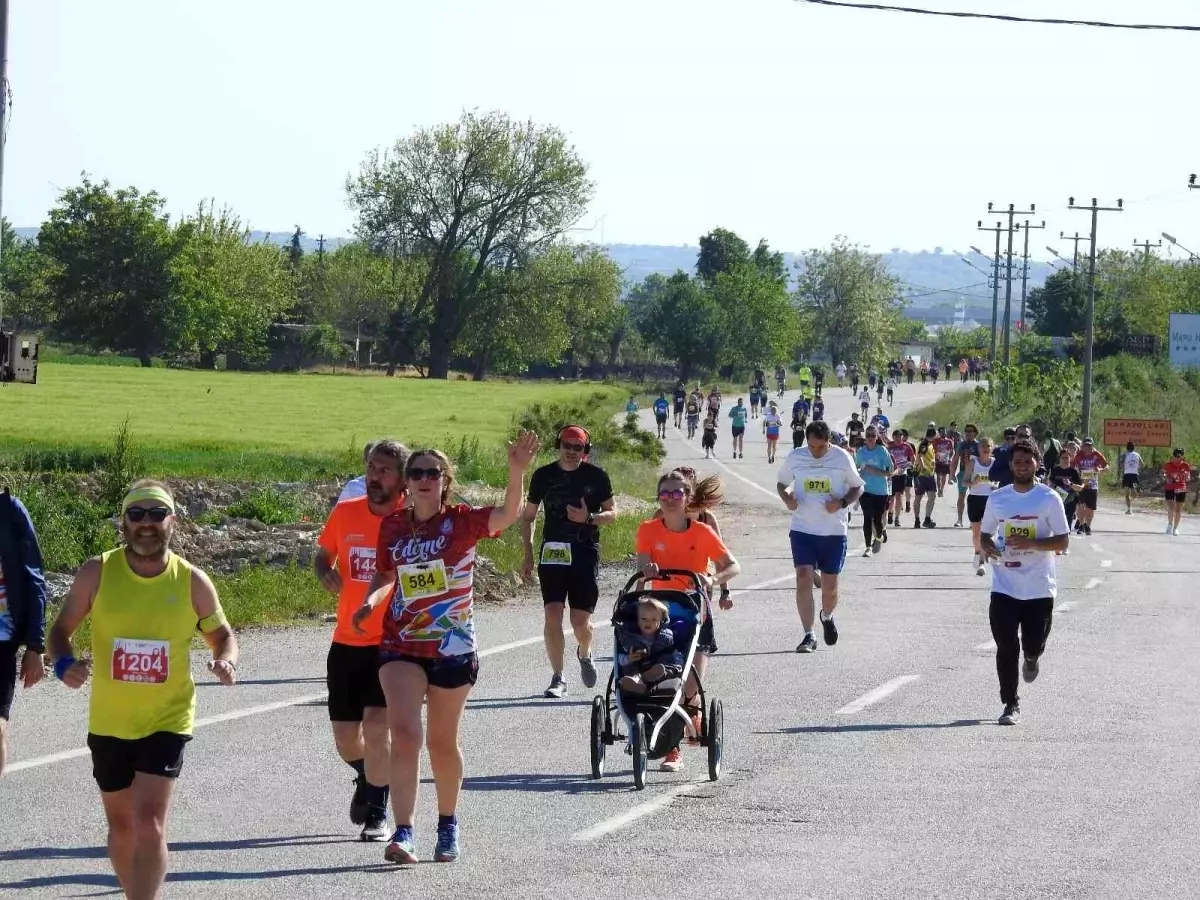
(255, 426)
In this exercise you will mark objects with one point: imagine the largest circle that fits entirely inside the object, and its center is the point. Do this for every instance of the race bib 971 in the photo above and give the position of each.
(141, 662)
(419, 580)
(817, 486)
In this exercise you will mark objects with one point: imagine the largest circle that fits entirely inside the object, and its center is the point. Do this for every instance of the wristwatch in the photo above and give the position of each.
(591, 517)
(844, 503)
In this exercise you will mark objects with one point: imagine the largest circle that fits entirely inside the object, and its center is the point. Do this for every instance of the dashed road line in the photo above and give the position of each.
(616, 823)
(1066, 605)
(1106, 563)
(872, 697)
(1093, 583)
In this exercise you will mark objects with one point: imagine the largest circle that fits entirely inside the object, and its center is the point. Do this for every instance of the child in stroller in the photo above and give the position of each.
(649, 655)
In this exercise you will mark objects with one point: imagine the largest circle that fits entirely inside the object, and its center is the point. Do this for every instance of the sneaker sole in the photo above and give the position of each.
(1005, 720)
(806, 649)
(400, 856)
(374, 838)
(445, 857)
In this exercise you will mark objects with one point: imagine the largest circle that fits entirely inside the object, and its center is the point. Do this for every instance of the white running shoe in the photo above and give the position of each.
(1169, 530)
(1175, 531)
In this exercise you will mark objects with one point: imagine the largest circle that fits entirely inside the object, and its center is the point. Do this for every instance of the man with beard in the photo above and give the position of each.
(145, 604)
(345, 565)
(1023, 526)
(578, 498)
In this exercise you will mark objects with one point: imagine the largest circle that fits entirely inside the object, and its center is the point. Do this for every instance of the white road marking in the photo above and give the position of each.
(986, 645)
(1106, 563)
(1096, 547)
(1093, 583)
(1063, 607)
(46, 760)
(790, 576)
(616, 823)
(876, 695)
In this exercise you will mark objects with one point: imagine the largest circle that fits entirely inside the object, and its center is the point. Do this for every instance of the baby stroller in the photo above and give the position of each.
(655, 722)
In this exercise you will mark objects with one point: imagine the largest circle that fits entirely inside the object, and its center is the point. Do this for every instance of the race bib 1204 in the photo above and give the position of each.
(816, 485)
(556, 553)
(419, 580)
(141, 662)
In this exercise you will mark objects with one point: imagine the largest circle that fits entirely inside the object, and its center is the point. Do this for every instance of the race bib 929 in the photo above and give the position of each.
(1026, 530)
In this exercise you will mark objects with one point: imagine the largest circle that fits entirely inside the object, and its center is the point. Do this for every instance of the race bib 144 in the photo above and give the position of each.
(362, 563)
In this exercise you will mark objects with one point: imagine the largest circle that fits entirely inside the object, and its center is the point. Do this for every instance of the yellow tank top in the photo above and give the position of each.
(142, 631)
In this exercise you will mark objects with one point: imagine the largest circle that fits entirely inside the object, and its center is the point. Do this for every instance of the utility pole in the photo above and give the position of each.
(1191, 181)
(1012, 214)
(321, 249)
(3, 120)
(1146, 246)
(995, 284)
(1078, 237)
(1091, 307)
(1025, 268)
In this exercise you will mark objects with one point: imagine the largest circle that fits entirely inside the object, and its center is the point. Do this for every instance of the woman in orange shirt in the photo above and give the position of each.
(676, 541)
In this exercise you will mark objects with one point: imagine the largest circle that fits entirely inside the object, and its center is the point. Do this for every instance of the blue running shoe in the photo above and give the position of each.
(401, 848)
(447, 844)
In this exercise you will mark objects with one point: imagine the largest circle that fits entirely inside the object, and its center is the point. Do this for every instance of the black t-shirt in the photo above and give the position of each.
(1064, 477)
(693, 408)
(556, 489)
(680, 396)
(853, 427)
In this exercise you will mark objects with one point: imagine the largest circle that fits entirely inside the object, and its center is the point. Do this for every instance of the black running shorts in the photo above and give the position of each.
(1089, 498)
(115, 761)
(352, 678)
(898, 483)
(576, 585)
(446, 672)
(1130, 480)
(976, 504)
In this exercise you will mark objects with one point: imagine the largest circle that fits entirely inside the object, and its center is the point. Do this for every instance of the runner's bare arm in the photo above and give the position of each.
(607, 514)
(520, 455)
(214, 628)
(786, 495)
(74, 610)
(728, 568)
(990, 550)
(323, 565)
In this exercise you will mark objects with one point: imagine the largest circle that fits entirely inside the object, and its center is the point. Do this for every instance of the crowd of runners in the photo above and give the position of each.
(399, 554)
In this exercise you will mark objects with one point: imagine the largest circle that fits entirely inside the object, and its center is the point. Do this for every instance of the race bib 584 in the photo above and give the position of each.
(420, 580)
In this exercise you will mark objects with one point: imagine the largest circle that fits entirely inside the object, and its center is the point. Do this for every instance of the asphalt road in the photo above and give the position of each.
(872, 769)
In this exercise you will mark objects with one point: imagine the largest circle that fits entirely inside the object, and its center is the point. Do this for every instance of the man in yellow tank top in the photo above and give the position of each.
(145, 604)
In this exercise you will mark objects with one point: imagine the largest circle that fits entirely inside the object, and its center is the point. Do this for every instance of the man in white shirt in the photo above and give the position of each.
(357, 487)
(1131, 471)
(818, 483)
(1023, 525)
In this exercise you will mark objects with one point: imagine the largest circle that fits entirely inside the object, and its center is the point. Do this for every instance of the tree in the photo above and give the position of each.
(770, 264)
(23, 281)
(683, 321)
(720, 251)
(1059, 307)
(111, 255)
(849, 300)
(762, 327)
(470, 196)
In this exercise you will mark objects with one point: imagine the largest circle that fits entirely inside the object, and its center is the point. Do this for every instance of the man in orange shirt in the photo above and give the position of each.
(345, 564)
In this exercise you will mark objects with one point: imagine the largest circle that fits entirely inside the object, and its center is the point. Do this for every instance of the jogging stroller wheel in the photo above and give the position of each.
(714, 729)
(599, 729)
(637, 736)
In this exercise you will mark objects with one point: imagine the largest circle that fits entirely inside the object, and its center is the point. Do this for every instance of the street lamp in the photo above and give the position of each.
(1176, 243)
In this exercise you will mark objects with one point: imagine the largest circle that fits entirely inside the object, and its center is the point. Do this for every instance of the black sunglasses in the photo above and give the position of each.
(419, 474)
(572, 446)
(155, 514)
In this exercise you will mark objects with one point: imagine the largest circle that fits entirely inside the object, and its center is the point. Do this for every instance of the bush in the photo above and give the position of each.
(70, 528)
(273, 507)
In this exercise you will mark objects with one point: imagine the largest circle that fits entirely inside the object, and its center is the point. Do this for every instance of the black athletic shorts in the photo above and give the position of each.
(1171, 497)
(8, 676)
(678, 407)
(976, 504)
(352, 677)
(926, 484)
(116, 760)
(446, 672)
(739, 430)
(898, 483)
(576, 585)
(1130, 479)
(1089, 498)
(941, 468)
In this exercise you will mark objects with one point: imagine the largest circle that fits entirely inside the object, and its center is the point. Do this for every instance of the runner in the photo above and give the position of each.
(771, 424)
(424, 572)
(805, 376)
(853, 378)
(818, 379)
(840, 371)
(781, 379)
(738, 414)
(943, 453)
(910, 370)
(1176, 475)
(925, 465)
(891, 390)
(978, 481)
(709, 439)
(864, 401)
(933, 371)
(876, 467)
(963, 451)
(800, 407)
(679, 398)
(679, 541)
(902, 455)
(818, 410)
(799, 423)
(1131, 467)
(854, 427)
(949, 368)
(962, 369)
(146, 604)
(661, 410)
(631, 411)
(714, 401)
(693, 415)
(924, 371)
(1066, 481)
(1090, 462)
(578, 499)
(345, 564)
(755, 398)
(22, 608)
(1023, 525)
(1001, 473)
(879, 389)
(818, 483)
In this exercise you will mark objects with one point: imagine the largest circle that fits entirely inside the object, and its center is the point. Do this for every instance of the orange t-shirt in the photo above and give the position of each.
(691, 550)
(351, 535)
(1177, 473)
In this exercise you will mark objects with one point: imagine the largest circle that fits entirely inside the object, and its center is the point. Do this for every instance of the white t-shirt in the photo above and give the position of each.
(1038, 513)
(980, 484)
(864, 396)
(1133, 463)
(771, 418)
(841, 371)
(817, 481)
(355, 488)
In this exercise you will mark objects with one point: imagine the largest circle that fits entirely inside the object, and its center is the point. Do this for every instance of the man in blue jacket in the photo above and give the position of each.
(22, 608)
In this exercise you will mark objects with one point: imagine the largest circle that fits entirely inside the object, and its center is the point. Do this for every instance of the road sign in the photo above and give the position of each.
(1139, 344)
(1185, 339)
(1143, 432)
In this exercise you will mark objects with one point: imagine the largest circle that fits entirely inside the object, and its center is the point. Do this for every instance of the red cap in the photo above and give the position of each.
(574, 433)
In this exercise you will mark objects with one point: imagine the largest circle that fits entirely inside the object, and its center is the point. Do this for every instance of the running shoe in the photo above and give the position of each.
(831, 632)
(587, 670)
(808, 645)
(558, 687)
(929, 523)
(958, 524)
(1011, 714)
(1030, 670)
(1087, 529)
(907, 506)
(883, 537)
(375, 829)
(400, 848)
(1175, 531)
(447, 843)
(672, 762)
(876, 545)
(1170, 529)
(359, 806)
(867, 552)
(889, 518)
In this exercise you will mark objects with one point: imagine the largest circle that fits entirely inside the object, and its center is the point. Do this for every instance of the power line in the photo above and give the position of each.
(1001, 18)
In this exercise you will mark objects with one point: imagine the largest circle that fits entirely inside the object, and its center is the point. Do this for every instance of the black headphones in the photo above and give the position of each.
(587, 444)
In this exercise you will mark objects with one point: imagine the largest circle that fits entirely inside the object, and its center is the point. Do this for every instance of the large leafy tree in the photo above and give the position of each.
(111, 270)
(849, 301)
(26, 302)
(721, 250)
(762, 326)
(1059, 307)
(679, 318)
(471, 196)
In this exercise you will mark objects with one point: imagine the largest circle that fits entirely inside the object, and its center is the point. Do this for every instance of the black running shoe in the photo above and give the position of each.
(831, 632)
(375, 830)
(808, 645)
(1011, 714)
(1087, 529)
(889, 518)
(929, 523)
(359, 803)
(1030, 670)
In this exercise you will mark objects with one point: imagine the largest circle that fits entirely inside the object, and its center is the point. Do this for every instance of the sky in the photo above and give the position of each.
(778, 119)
